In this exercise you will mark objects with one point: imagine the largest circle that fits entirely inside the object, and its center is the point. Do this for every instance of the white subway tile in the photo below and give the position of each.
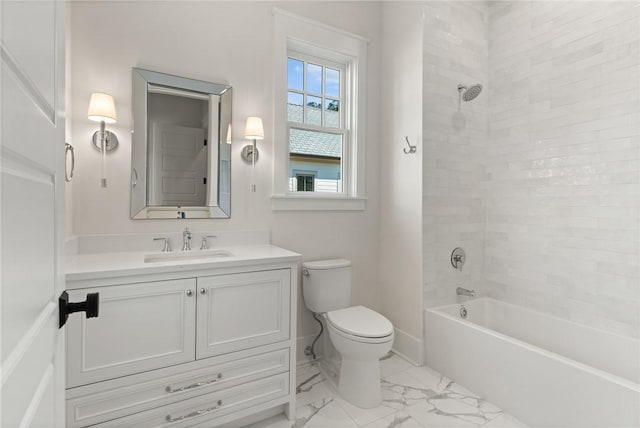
(544, 169)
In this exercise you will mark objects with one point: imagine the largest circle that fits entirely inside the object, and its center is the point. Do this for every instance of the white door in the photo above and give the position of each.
(32, 213)
(178, 167)
(241, 311)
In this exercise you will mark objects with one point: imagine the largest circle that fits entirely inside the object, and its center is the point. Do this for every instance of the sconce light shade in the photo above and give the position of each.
(254, 130)
(102, 108)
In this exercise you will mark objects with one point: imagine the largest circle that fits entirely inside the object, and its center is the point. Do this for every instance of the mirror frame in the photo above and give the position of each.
(139, 148)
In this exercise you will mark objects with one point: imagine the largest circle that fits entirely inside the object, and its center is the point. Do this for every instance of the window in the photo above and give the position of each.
(319, 116)
(315, 122)
(305, 182)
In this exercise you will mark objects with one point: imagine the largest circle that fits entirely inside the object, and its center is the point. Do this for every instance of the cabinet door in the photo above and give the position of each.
(241, 311)
(141, 327)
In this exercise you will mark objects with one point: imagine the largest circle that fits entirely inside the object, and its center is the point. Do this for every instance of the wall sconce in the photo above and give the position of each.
(253, 131)
(102, 109)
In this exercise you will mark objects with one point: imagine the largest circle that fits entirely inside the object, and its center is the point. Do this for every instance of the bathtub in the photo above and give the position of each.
(544, 370)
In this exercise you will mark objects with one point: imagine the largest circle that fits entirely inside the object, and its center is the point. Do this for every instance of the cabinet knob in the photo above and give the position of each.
(203, 291)
(189, 293)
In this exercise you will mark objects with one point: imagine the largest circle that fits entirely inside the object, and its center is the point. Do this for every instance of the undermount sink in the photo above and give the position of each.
(186, 255)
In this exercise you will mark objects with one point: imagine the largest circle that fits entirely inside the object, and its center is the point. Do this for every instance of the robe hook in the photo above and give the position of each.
(412, 149)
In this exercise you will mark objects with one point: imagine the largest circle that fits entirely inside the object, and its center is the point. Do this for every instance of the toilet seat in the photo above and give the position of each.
(361, 324)
(358, 339)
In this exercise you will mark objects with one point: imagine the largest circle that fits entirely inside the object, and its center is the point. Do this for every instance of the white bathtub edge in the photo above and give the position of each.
(533, 311)
(626, 383)
(408, 347)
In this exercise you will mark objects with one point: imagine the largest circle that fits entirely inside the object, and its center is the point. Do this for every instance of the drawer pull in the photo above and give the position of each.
(170, 418)
(194, 385)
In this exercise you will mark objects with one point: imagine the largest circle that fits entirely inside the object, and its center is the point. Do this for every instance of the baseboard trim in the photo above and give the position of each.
(408, 347)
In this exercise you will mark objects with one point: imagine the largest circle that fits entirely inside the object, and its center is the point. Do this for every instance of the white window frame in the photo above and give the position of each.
(302, 35)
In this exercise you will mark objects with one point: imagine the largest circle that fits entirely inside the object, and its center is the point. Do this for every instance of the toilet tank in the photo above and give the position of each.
(326, 284)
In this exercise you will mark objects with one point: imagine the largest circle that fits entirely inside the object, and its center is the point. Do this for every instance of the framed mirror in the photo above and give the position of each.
(180, 147)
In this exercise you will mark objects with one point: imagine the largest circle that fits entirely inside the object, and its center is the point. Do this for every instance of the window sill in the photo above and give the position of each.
(317, 203)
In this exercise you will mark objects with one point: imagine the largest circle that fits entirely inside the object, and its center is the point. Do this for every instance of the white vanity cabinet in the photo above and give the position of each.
(204, 346)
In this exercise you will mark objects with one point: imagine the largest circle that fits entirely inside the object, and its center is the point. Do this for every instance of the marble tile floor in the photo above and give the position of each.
(413, 397)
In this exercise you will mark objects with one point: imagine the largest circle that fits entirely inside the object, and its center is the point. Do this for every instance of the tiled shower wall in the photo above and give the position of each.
(563, 160)
(538, 178)
(455, 40)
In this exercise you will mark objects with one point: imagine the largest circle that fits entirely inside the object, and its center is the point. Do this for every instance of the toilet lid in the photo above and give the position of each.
(360, 321)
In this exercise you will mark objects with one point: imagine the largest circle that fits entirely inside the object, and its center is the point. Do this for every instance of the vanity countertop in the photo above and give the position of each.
(114, 264)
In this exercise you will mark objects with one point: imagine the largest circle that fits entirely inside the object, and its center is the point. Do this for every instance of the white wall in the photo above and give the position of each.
(455, 140)
(401, 174)
(563, 195)
(222, 42)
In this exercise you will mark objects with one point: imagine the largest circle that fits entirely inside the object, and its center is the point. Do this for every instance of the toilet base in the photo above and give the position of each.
(359, 382)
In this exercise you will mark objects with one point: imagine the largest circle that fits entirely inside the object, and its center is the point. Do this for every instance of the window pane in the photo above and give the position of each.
(305, 182)
(320, 152)
(314, 78)
(332, 82)
(295, 102)
(314, 110)
(332, 113)
(295, 72)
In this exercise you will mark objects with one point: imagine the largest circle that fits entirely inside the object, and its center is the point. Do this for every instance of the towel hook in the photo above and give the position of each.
(412, 149)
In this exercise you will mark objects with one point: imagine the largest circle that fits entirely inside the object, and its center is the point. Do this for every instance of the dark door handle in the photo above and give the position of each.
(89, 306)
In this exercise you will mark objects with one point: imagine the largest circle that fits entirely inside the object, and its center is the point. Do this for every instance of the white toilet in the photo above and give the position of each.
(361, 336)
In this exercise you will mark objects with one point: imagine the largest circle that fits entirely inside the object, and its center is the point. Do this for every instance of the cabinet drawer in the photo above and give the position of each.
(141, 327)
(242, 311)
(208, 406)
(115, 399)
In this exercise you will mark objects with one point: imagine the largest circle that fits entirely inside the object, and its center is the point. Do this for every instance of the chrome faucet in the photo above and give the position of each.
(205, 245)
(186, 239)
(167, 244)
(464, 292)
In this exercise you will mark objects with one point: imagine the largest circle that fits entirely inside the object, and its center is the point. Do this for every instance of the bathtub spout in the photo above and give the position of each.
(464, 292)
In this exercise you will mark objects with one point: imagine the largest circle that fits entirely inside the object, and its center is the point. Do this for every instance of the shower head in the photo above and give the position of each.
(469, 94)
